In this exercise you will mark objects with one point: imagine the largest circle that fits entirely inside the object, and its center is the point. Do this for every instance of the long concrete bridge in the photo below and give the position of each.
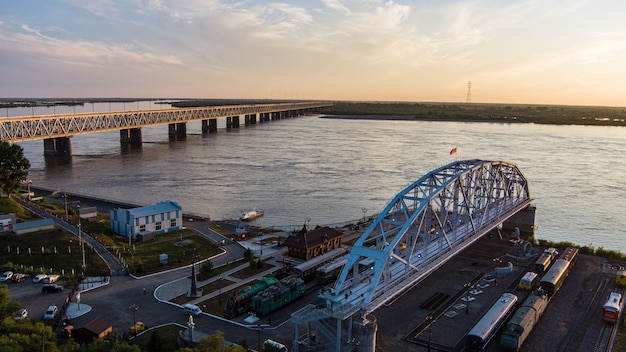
(56, 130)
(420, 229)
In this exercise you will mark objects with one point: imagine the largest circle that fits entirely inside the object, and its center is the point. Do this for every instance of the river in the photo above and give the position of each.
(327, 171)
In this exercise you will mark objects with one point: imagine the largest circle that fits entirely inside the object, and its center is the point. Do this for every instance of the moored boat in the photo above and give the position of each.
(250, 215)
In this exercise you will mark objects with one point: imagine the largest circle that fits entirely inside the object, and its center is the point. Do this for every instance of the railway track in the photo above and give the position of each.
(608, 334)
(576, 336)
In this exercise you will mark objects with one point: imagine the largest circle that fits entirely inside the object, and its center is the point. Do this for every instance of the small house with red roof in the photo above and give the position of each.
(307, 244)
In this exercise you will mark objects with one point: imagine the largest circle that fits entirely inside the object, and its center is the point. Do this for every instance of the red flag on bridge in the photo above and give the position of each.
(453, 151)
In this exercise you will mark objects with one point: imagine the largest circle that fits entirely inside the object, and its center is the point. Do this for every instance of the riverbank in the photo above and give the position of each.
(480, 112)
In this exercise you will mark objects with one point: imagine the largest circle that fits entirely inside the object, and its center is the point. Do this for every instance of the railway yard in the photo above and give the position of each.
(438, 313)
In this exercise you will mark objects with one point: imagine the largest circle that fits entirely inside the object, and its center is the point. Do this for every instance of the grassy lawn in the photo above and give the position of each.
(58, 250)
(180, 247)
(163, 337)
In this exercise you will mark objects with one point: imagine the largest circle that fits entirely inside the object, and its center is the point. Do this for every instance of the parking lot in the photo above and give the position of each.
(29, 294)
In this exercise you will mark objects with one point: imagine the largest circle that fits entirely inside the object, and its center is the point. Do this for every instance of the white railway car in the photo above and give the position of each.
(612, 308)
(484, 331)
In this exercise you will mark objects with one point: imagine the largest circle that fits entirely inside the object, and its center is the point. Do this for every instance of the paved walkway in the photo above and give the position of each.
(176, 288)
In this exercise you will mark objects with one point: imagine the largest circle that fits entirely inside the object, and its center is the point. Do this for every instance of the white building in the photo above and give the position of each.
(147, 221)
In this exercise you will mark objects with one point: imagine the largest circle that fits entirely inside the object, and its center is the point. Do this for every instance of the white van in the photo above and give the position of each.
(277, 345)
(192, 309)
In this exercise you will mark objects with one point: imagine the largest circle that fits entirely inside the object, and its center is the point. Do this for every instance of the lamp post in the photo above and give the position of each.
(134, 308)
(497, 261)
(431, 321)
(82, 244)
(219, 283)
(258, 331)
(467, 287)
(364, 210)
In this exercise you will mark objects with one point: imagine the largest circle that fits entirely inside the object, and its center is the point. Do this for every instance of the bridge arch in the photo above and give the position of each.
(426, 223)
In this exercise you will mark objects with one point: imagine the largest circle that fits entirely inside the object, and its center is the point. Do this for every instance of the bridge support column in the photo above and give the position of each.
(364, 334)
(209, 126)
(131, 136)
(523, 219)
(178, 130)
(232, 122)
(250, 119)
(60, 146)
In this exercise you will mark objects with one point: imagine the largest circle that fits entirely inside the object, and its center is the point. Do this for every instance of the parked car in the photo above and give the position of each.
(50, 279)
(51, 313)
(51, 288)
(21, 314)
(6, 276)
(139, 326)
(192, 309)
(19, 277)
(39, 277)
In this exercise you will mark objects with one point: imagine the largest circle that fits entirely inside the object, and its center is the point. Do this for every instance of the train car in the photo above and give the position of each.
(528, 281)
(239, 301)
(612, 308)
(278, 295)
(555, 277)
(524, 320)
(483, 332)
(307, 270)
(543, 263)
(328, 272)
(620, 277)
(570, 254)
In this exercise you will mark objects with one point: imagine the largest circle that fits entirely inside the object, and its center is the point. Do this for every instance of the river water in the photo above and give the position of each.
(328, 171)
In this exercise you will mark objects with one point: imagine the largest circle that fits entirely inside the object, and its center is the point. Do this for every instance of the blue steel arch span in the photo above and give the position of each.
(423, 226)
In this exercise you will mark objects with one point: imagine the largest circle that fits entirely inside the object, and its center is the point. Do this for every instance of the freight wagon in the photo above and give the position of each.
(524, 320)
(555, 277)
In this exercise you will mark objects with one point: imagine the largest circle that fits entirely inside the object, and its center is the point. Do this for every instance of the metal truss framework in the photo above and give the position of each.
(421, 228)
(24, 128)
(435, 217)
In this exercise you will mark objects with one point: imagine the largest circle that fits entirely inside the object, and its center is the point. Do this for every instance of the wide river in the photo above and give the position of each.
(328, 171)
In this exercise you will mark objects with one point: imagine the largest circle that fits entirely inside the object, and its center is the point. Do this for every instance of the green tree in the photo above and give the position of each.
(13, 167)
(206, 269)
(216, 343)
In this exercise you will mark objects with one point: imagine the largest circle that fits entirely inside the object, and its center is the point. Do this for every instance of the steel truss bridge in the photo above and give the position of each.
(421, 228)
(24, 128)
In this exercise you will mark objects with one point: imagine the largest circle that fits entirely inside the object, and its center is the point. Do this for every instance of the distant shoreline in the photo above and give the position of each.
(410, 118)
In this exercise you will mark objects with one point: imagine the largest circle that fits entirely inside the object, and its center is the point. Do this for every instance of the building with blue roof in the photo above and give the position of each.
(144, 222)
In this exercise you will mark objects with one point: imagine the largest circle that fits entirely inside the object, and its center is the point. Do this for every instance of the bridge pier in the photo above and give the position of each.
(178, 130)
(524, 220)
(250, 119)
(209, 126)
(232, 122)
(131, 136)
(59, 146)
(264, 117)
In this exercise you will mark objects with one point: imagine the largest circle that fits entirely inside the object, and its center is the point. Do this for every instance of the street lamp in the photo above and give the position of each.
(497, 261)
(82, 244)
(219, 282)
(258, 331)
(431, 321)
(467, 287)
(134, 308)
(364, 210)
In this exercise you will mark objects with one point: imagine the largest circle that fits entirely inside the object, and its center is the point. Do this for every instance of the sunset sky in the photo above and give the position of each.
(544, 51)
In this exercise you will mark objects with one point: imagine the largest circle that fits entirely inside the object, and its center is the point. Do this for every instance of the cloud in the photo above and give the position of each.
(34, 46)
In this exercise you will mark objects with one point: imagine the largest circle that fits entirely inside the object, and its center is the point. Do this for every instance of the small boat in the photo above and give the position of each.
(251, 215)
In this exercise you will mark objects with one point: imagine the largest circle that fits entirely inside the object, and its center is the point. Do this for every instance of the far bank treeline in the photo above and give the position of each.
(542, 114)
(470, 112)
